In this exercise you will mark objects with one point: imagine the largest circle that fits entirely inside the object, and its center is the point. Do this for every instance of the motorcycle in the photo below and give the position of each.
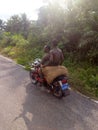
(59, 87)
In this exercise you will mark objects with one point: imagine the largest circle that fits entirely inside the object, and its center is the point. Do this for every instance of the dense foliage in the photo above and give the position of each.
(74, 23)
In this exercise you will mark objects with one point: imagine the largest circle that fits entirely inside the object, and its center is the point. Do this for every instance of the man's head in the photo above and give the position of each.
(46, 48)
(54, 43)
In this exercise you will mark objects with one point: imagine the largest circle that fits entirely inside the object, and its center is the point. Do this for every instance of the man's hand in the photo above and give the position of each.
(42, 66)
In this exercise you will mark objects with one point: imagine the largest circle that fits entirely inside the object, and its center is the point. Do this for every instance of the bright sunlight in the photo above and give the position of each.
(12, 7)
(29, 7)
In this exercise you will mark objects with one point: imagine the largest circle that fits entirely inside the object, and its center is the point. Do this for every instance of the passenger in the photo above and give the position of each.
(56, 55)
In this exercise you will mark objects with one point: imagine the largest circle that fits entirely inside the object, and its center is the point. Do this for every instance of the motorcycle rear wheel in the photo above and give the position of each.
(32, 77)
(57, 92)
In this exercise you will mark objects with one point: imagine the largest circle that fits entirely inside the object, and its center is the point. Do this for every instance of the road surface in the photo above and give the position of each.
(27, 107)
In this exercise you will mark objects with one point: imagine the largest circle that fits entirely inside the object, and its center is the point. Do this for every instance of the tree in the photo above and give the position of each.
(25, 25)
(18, 24)
(2, 25)
(13, 25)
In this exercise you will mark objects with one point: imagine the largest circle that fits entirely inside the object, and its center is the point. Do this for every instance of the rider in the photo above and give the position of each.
(45, 61)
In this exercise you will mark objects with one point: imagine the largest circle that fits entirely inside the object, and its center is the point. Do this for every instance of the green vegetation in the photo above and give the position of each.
(74, 23)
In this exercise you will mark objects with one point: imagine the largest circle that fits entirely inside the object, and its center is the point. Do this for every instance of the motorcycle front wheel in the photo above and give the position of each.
(32, 77)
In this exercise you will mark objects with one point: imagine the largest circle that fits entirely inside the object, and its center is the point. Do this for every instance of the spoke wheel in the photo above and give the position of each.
(57, 92)
(32, 77)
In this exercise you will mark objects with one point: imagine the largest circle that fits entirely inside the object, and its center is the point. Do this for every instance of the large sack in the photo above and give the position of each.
(51, 72)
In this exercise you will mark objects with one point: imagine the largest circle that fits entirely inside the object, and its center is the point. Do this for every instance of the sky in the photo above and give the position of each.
(9, 8)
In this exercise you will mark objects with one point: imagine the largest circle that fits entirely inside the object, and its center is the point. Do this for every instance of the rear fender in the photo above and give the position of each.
(59, 78)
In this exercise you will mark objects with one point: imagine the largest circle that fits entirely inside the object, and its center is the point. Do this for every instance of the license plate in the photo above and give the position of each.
(65, 86)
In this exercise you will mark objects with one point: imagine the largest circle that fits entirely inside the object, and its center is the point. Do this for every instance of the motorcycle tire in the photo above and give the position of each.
(32, 78)
(57, 92)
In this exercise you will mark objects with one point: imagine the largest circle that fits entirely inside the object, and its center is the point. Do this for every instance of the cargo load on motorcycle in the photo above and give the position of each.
(51, 72)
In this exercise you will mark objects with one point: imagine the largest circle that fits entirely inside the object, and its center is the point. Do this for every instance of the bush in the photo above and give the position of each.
(84, 79)
(6, 50)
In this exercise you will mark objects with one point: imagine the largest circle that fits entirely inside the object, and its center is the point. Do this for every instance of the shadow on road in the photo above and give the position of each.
(42, 111)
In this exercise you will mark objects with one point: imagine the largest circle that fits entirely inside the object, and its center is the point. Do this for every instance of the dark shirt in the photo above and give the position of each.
(56, 57)
(53, 58)
(45, 59)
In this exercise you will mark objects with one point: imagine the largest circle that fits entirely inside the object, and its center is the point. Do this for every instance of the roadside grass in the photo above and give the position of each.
(84, 78)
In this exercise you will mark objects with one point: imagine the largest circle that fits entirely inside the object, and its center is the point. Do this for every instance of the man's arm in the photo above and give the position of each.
(43, 60)
(47, 60)
(62, 57)
(51, 57)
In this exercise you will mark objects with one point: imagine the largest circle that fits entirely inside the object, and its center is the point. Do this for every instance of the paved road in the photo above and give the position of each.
(26, 107)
